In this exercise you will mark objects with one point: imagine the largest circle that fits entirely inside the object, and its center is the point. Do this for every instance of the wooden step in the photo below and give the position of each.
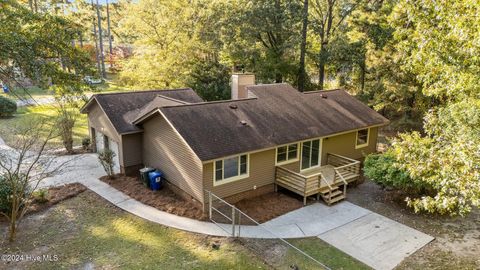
(334, 193)
(326, 191)
(336, 199)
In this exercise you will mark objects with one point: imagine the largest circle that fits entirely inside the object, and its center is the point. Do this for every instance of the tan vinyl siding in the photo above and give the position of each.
(345, 145)
(262, 172)
(100, 122)
(164, 149)
(132, 145)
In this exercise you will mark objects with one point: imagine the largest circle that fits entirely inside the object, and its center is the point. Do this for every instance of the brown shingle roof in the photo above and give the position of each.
(122, 108)
(279, 115)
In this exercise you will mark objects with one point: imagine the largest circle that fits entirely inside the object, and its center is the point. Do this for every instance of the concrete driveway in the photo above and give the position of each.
(375, 240)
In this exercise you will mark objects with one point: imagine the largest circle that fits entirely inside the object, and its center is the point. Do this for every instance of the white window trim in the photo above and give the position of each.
(230, 179)
(358, 146)
(320, 149)
(287, 161)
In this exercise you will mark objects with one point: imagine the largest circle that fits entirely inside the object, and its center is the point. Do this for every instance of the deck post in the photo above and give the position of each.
(304, 200)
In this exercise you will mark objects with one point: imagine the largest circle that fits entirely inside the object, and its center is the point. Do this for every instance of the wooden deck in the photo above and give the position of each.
(329, 181)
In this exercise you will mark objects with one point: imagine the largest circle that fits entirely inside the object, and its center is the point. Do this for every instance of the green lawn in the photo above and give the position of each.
(327, 254)
(88, 231)
(49, 112)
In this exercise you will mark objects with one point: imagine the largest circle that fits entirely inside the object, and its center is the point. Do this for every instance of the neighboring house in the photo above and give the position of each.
(266, 136)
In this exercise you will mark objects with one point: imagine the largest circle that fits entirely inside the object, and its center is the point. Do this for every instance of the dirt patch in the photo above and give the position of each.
(269, 206)
(56, 195)
(457, 237)
(164, 199)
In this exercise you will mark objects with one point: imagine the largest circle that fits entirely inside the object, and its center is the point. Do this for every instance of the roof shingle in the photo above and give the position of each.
(278, 115)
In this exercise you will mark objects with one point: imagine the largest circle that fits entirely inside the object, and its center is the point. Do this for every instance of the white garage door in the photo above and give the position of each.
(99, 141)
(114, 147)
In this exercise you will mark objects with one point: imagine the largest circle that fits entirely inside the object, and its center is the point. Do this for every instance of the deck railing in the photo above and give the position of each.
(345, 170)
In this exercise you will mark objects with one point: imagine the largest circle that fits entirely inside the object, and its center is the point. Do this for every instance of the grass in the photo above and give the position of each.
(88, 232)
(47, 112)
(325, 253)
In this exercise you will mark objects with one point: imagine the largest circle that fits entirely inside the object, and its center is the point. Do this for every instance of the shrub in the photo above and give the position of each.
(383, 170)
(7, 106)
(41, 195)
(106, 158)
(6, 193)
(86, 143)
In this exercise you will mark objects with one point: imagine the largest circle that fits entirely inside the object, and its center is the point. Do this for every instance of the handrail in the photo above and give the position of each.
(341, 176)
(347, 158)
(346, 165)
(325, 180)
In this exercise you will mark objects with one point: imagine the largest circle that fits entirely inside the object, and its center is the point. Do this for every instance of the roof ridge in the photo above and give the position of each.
(171, 99)
(323, 91)
(211, 102)
(142, 91)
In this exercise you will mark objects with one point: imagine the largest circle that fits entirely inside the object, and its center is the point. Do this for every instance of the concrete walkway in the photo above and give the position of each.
(373, 239)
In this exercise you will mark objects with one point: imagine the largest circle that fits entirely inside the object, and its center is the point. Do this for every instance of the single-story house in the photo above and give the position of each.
(266, 136)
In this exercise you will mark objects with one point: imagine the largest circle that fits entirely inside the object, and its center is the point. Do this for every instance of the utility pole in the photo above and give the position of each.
(100, 39)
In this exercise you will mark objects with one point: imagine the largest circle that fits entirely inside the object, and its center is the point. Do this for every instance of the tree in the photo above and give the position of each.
(328, 16)
(162, 33)
(40, 47)
(24, 166)
(263, 37)
(439, 42)
(211, 80)
(302, 74)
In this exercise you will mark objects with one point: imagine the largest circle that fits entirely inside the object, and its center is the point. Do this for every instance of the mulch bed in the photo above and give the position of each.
(269, 206)
(164, 199)
(56, 195)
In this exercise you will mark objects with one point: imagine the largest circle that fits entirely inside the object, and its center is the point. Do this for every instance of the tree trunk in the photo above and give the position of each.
(363, 72)
(108, 30)
(303, 46)
(97, 58)
(100, 39)
(321, 75)
(321, 64)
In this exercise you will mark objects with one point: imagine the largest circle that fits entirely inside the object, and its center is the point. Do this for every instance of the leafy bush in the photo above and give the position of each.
(7, 106)
(106, 158)
(383, 170)
(41, 195)
(6, 193)
(86, 143)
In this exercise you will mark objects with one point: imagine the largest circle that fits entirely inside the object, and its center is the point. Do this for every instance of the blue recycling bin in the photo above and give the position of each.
(156, 180)
(5, 88)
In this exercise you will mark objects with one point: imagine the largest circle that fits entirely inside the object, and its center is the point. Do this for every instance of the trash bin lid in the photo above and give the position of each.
(146, 169)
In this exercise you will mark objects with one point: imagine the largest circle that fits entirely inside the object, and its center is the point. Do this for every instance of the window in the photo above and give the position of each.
(231, 168)
(287, 153)
(362, 138)
(310, 154)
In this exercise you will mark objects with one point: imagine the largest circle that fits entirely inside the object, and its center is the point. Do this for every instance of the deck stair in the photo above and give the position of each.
(329, 181)
(333, 196)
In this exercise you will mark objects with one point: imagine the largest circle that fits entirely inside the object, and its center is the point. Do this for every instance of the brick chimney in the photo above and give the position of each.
(239, 83)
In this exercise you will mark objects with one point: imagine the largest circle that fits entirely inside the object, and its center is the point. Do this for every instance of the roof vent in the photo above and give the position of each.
(233, 106)
(243, 122)
(323, 95)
